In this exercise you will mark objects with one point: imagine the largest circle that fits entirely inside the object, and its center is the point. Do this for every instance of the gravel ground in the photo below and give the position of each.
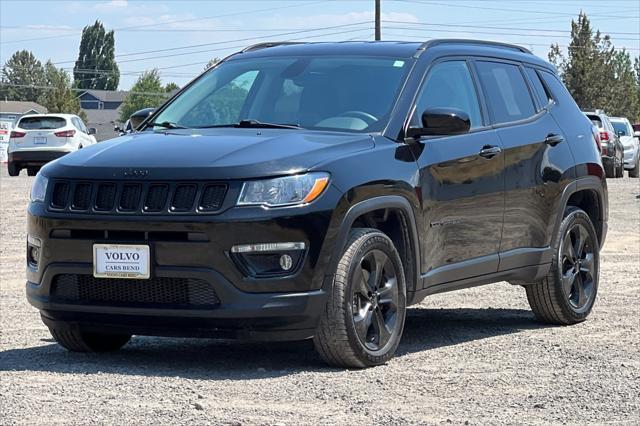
(473, 357)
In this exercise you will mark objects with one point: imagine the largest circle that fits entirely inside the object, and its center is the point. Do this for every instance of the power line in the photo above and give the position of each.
(499, 28)
(230, 41)
(176, 21)
(485, 32)
(500, 9)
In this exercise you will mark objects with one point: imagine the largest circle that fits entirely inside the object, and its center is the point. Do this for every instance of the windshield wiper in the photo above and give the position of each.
(254, 124)
(168, 125)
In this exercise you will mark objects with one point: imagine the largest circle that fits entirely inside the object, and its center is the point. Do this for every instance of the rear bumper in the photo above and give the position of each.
(251, 316)
(34, 158)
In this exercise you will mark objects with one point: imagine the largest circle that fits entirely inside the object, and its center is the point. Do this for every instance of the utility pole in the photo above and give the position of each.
(378, 20)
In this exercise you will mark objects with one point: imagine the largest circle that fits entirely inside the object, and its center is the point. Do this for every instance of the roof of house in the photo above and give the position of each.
(20, 107)
(106, 95)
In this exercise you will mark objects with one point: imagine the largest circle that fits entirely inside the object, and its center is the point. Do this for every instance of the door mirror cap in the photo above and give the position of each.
(621, 133)
(637, 134)
(441, 122)
(91, 131)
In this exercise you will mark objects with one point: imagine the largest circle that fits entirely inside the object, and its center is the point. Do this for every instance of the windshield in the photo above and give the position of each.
(341, 93)
(619, 126)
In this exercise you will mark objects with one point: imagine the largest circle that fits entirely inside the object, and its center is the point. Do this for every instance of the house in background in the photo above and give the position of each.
(103, 110)
(101, 99)
(13, 110)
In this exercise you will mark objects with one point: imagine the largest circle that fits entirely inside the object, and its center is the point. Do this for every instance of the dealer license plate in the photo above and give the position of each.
(121, 261)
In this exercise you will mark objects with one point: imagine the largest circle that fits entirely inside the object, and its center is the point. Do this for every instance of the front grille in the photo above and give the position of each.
(137, 197)
(176, 292)
(81, 196)
(130, 198)
(183, 198)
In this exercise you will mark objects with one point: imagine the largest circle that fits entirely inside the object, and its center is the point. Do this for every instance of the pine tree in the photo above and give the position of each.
(596, 74)
(623, 94)
(96, 67)
(147, 92)
(60, 97)
(20, 71)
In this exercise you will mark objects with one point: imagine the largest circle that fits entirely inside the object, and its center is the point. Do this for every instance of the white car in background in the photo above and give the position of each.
(37, 139)
(631, 143)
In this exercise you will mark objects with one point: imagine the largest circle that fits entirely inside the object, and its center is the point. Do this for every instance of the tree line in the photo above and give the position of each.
(25, 78)
(596, 74)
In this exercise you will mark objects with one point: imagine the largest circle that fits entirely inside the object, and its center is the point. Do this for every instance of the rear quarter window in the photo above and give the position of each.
(540, 92)
(506, 91)
(42, 123)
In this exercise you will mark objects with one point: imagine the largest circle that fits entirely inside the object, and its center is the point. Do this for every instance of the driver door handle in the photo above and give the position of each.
(552, 139)
(489, 151)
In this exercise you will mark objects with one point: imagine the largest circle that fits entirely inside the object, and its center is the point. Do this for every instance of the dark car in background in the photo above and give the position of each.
(315, 191)
(611, 147)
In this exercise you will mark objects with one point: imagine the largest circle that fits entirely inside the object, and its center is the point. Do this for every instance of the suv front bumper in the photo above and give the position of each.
(281, 308)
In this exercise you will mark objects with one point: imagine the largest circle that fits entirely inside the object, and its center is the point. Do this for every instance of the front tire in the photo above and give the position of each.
(74, 340)
(567, 294)
(620, 169)
(13, 169)
(635, 172)
(609, 169)
(363, 320)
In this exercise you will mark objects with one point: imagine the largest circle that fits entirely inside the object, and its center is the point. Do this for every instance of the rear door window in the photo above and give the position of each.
(42, 123)
(506, 92)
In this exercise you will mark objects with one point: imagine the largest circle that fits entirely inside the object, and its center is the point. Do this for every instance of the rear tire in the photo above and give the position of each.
(32, 171)
(567, 294)
(635, 172)
(361, 325)
(620, 169)
(609, 169)
(13, 169)
(74, 340)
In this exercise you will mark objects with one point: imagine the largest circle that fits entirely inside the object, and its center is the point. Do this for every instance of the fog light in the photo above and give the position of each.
(286, 262)
(33, 251)
(265, 260)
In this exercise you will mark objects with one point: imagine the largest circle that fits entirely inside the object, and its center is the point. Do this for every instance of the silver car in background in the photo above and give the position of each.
(631, 142)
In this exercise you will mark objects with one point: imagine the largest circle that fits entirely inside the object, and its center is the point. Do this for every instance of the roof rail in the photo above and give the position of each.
(267, 44)
(427, 44)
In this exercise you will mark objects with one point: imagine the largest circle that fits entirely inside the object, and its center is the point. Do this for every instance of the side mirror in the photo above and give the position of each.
(91, 131)
(621, 133)
(441, 122)
(636, 134)
(117, 129)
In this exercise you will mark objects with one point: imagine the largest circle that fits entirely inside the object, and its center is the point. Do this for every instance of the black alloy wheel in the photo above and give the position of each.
(375, 300)
(578, 266)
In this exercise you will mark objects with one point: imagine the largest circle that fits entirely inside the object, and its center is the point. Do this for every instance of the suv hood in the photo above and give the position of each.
(209, 154)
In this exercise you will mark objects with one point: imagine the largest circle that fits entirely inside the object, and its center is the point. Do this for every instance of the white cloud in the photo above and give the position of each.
(111, 6)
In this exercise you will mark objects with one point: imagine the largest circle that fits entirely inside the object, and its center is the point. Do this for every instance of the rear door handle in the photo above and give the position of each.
(489, 152)
(553, 139)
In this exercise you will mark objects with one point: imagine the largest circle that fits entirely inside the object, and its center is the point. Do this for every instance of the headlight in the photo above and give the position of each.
(284, 191)
(39, 189)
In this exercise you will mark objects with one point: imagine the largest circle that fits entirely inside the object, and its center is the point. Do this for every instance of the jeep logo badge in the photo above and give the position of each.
(135, 173)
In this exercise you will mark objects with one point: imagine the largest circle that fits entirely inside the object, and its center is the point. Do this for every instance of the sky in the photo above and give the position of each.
(180, 36)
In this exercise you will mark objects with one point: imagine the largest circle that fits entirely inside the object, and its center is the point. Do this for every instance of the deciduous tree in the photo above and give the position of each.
(96, 67)
(22, 77)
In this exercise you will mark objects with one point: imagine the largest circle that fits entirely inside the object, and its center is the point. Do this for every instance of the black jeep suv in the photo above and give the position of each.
(316, 190)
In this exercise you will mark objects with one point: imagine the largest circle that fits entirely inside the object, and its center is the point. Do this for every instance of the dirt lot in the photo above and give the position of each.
(474, 356)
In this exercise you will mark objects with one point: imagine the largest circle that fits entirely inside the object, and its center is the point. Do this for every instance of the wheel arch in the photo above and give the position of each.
(588, 194)
(384, 213)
